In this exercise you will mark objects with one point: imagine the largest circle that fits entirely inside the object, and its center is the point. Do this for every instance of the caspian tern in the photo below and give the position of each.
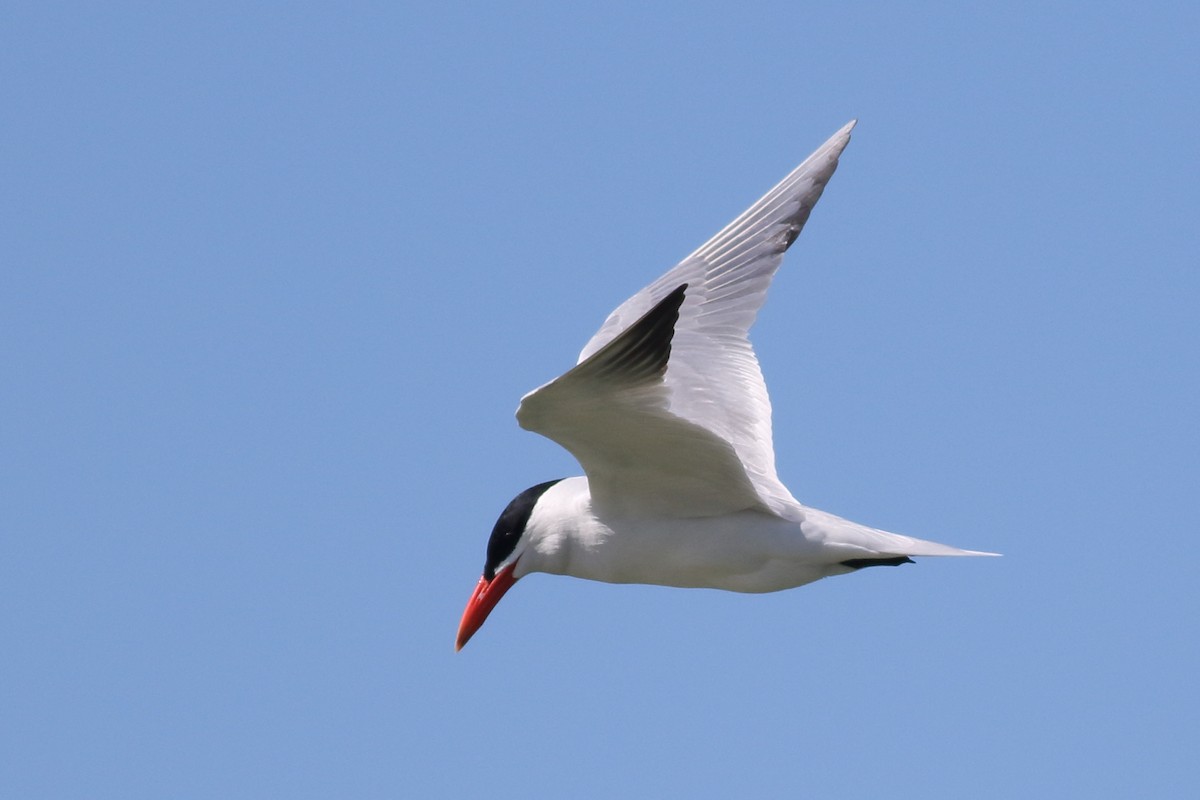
(667, 413)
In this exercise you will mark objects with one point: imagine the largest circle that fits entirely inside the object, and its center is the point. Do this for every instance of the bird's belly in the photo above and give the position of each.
(744, 552)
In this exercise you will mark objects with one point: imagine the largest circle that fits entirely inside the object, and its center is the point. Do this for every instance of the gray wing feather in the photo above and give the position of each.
(712, 388)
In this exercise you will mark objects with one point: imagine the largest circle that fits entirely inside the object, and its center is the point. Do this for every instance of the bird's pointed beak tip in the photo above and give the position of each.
(485, 597)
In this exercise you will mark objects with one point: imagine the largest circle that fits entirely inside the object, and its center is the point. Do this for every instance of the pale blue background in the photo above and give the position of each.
(275, 276)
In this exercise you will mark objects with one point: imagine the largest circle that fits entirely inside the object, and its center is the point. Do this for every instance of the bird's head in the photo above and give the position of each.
(504, 549)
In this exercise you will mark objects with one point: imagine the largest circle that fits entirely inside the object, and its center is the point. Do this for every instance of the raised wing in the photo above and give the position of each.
(694, 437)
(612, 413)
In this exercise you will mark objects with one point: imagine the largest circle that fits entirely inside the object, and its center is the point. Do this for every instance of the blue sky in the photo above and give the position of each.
(275, 276)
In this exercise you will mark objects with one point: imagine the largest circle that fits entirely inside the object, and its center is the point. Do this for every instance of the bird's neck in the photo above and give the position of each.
(562, 529)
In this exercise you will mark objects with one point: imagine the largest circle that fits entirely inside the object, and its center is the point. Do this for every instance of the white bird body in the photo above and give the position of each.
(745, 551)
(668, 414)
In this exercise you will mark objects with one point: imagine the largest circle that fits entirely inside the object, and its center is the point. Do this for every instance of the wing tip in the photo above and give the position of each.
(837, 143)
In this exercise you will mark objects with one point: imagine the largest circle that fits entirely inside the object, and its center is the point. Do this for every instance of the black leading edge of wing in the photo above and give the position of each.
(642, 350)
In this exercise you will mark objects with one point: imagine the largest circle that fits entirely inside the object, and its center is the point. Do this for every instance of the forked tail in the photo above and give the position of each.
(880, 544)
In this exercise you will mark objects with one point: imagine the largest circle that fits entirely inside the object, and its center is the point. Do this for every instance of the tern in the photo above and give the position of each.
(667, 412)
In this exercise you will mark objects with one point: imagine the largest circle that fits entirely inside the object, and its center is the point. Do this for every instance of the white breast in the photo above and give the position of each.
(747, 551)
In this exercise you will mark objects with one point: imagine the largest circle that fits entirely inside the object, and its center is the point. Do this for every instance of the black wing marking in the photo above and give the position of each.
(641, 352)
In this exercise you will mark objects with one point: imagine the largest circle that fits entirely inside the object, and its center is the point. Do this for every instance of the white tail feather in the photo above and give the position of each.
(834, 529)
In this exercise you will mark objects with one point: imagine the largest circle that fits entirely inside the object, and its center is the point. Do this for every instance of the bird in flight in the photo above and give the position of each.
(667, 413)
